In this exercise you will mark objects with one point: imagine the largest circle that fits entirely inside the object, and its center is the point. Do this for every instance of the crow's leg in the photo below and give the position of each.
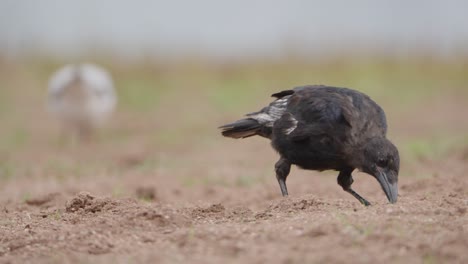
(345, 180)
(282, 168)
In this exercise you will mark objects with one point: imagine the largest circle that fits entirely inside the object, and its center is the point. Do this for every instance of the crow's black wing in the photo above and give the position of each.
(338, 113)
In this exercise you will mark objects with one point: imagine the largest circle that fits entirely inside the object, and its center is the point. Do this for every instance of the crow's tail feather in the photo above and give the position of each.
(241, 128)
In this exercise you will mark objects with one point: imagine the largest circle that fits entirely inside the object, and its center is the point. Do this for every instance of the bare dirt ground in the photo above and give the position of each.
(428, 225)
(149, 194)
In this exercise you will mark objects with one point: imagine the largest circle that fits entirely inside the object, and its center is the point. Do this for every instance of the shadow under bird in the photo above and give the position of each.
(320, 128)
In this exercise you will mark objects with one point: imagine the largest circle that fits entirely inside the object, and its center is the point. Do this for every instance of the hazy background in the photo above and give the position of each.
(232, 28)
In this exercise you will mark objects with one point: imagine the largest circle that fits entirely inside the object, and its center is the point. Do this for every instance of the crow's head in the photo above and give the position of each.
(380, 159)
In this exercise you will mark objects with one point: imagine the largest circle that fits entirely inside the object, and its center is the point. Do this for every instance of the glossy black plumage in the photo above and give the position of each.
(325, 128)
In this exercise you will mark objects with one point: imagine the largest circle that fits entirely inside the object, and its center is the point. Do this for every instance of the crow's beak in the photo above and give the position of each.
(390, 189)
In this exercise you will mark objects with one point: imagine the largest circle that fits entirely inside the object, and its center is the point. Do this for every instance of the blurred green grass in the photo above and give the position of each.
(233, 86)
(434, 147)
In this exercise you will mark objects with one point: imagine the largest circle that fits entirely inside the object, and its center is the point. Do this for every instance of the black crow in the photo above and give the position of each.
(320, 128)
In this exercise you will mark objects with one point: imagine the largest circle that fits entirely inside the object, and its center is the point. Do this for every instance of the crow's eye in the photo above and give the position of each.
(382, 162)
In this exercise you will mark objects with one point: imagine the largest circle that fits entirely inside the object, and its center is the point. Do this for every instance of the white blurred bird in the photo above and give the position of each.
(82, 97)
